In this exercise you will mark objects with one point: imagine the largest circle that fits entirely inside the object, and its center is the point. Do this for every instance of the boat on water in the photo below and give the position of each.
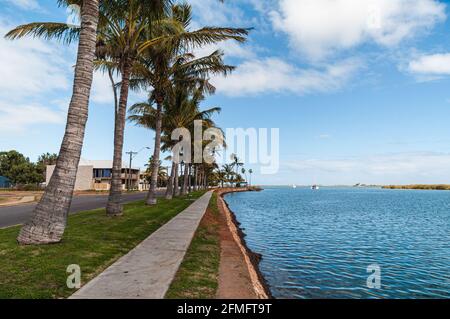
(294, 186)
(315, 187)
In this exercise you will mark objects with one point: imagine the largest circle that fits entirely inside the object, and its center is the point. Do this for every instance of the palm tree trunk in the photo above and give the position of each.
(50, 215)
(196, 178)
(190, 179)
(200, 179)
(114, 206)
(169, 190)
(185, 180)
(151, 196)
(176, 189)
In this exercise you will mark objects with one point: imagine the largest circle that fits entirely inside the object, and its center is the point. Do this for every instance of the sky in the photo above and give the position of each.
(359, 89)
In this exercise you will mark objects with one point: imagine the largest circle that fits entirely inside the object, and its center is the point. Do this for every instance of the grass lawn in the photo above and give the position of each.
(92, 241)
(199, 271)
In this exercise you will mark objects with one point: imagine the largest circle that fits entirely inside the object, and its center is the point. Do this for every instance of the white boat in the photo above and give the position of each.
(294, 186)
(315, 187)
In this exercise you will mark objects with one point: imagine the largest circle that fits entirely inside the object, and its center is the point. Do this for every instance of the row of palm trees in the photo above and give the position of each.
(148, 44)
(231, 175)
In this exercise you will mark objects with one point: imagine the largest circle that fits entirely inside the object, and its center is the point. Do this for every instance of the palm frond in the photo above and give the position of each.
(46, 30)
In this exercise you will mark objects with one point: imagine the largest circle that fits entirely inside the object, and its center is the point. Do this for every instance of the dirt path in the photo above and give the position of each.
(238, 276)
(12, 201)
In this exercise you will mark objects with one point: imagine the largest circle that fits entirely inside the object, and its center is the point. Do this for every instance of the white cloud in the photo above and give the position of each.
(16, 118)
(25, 4)
(431, 65)
(396, 168)
(274, 75)
(215, 13)
(30, 66)
(101, 89)
(231, 49)
(319, 27)
(31, 69)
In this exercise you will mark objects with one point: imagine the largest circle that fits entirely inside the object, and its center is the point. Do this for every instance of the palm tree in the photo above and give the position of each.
(119, 37)
(250, 171)
(50, 215)
(221, 177)
(162, 62)
(180, 110)
(244, 172)
(162, 173)
(123, 32)
(127, 31)
(229, 172)
(236, 164)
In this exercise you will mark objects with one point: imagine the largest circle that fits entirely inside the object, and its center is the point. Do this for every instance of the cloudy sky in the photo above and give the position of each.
(358, 88)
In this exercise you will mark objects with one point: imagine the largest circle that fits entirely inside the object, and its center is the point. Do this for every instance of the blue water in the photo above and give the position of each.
(319, 244)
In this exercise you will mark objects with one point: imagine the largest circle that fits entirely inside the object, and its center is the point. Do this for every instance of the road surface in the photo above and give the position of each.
(15, 215)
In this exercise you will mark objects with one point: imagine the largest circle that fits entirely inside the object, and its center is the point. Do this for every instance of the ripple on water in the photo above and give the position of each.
(319, 244)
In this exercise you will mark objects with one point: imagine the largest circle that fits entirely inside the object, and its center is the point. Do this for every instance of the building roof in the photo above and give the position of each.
(101, 163)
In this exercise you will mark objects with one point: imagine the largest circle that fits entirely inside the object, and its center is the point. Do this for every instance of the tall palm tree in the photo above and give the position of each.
(163, 61)
(221, 177)
(236, 164)
(125, 28)
(118, 37)
(229, 172)
(181, 110)
(127, 31)
(250, 172)
(50, 215)
(244, 172)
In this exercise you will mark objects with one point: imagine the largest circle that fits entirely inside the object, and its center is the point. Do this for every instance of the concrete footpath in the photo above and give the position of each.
(147, 271)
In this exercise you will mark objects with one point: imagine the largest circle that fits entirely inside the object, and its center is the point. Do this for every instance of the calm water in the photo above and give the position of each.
(318, 244)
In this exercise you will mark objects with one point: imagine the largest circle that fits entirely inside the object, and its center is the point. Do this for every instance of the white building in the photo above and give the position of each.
(96, 175)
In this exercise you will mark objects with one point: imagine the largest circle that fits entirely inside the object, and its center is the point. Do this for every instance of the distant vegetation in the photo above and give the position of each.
(23, 173)
(442, 187)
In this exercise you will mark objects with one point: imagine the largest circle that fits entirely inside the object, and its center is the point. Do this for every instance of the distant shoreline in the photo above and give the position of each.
(404, 187)
(441, 187)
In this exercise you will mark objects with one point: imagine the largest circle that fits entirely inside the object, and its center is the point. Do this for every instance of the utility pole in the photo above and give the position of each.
(132, 154)
(129, 178)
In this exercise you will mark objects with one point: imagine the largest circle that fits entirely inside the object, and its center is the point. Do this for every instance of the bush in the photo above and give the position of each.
(28, 187)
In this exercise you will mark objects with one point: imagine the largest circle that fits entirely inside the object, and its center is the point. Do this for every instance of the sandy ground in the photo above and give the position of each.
(11, 198)
(239, 277)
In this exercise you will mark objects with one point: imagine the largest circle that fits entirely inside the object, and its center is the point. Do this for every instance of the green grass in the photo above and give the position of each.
(197, 277)
(92, 241)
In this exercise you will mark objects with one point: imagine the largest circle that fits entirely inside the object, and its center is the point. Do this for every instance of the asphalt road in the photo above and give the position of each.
(15, 215)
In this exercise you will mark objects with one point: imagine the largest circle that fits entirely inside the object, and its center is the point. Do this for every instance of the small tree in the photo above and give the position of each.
(43, 161)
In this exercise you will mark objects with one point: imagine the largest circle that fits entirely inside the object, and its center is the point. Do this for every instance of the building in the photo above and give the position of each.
(96, 175)
(4, 182)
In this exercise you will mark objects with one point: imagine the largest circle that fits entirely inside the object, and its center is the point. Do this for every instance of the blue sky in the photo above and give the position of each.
(358, 89)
